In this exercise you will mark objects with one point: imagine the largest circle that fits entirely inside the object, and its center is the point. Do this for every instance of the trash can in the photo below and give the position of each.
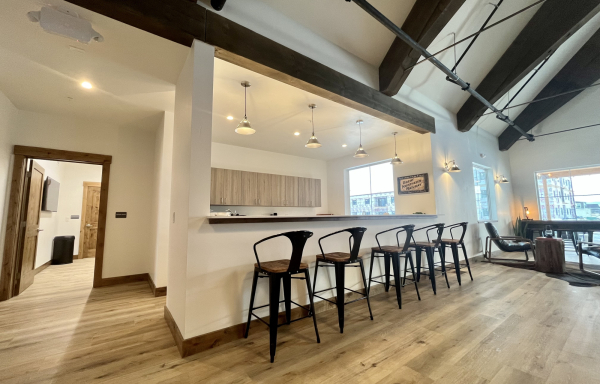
(62, 249)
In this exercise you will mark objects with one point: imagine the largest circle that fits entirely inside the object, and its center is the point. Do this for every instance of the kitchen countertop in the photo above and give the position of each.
(281, 219)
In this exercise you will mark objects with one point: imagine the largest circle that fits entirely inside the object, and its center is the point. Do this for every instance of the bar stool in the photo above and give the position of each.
(341, 260)
(430, 247)
(393, 254)
(277, 271)
(454, 244)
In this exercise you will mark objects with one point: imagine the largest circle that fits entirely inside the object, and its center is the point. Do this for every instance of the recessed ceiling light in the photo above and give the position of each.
(229, 117)
(86, 85)
(344, 145)
(296, 133)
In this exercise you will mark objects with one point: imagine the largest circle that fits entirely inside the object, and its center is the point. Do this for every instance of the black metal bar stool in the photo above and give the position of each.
(277, 271)
(393, 254)
(430, 248)
(341, 260)
(454, 244)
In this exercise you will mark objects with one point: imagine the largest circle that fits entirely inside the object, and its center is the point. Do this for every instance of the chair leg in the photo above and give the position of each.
(418, 255)
(252, 293)
(386, 259)
(340, 271)
(467, 261)
(274, 290)
(428, 254)
(312, 304)
(371, 271)
(443, 259)
(315, 281)
(405, 265)
(287, 295)
(362, 271)
(396, 266)
(456, 262)
(412, 268)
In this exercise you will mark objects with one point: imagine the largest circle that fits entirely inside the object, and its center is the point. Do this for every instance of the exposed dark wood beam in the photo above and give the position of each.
(553, 24)
(424, 22)
(581, 71)
(183, 21)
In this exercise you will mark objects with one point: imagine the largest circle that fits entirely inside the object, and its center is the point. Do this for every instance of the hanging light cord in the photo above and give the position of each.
(312, 120)
(360, 133)
(565, 130)
(245, 98)
(527, 82)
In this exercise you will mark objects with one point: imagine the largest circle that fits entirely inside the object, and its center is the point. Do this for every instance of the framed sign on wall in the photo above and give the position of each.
(413, 184)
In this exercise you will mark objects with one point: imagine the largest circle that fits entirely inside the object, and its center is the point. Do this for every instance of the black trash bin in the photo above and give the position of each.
(62, 250)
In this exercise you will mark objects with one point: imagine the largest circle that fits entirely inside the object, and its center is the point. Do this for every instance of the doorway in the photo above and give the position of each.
(25, 205)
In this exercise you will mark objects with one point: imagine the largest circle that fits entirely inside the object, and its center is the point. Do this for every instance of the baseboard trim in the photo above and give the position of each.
(42, 267)
(105, 282)
(157, 292)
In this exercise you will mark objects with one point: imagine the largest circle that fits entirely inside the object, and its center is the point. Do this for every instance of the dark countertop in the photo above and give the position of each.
(288, 219)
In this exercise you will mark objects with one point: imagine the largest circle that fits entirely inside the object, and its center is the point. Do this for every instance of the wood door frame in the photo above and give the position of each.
(11, 244)
(86, 184)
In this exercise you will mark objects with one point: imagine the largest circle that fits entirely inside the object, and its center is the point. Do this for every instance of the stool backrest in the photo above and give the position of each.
(404, 228)
(458, 225)
(356, 235)
(439, 228)
(298, 240)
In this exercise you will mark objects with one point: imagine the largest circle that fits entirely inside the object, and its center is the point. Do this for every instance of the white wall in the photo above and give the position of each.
(8, 116)
(413, 148)
(253, 160)
(127, 250)
(163, 165)
(563, 150)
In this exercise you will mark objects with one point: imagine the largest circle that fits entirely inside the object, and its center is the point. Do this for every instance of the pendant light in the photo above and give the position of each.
(396, 160)
(244, 127)
(360, 152)
(313, 142)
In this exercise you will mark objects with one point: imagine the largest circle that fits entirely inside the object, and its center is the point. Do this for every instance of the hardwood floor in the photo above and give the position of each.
(508, 326)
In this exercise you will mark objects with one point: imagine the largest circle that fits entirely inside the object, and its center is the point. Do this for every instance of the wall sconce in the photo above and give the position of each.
(501, 179)
(526, 210)
(453, 168)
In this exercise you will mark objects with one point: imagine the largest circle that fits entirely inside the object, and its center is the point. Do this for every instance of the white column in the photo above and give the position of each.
(190, 182)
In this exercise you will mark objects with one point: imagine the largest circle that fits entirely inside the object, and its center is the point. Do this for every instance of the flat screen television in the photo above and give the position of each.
(50, 195)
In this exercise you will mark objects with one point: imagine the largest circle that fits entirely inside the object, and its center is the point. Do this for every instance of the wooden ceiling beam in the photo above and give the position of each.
(581, 71)
(424, 22)
(552, 25)
(183, 21)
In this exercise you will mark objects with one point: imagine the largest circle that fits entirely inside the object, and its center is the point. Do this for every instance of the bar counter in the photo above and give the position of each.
(289, 219)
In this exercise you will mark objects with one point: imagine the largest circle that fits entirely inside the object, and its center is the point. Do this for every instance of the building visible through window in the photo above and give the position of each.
(372, 190)
(482, 192)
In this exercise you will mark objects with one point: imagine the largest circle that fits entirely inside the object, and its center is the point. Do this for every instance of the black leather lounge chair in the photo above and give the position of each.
(506, 244)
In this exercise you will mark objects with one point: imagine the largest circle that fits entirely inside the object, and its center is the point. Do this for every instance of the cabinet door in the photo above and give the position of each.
(303, 192)
(215, 196)
(277, 190)
(232, 193)
(316, 192)
(249, 188)
(264, 189)
(291, 191)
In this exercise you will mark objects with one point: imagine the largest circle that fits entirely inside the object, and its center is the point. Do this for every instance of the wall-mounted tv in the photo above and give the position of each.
(50, 196)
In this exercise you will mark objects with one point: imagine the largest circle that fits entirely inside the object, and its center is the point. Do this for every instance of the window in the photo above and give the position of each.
(483, 193)
(372, 190)
(569, 194)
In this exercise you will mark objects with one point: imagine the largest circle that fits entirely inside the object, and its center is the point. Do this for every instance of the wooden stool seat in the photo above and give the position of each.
(451, 241)
(336, 257)
(278, 266)
(388, 248)
(423, 244)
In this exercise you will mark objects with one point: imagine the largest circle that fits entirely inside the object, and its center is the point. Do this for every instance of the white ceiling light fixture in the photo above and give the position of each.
(313, 142)
(396, 160)
(360, 152)
(244, 127)
(65, 23)
(230, 117)
(87, 85)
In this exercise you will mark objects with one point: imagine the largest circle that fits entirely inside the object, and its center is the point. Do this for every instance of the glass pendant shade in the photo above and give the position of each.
(244, 127)
(360, 153)
(312, 142)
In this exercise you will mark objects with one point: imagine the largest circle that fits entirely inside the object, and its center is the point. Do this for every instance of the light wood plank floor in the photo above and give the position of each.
(508, 326)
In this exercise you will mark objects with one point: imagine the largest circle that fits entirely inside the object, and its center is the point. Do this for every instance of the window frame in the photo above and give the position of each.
(491, 193)
(348, 197)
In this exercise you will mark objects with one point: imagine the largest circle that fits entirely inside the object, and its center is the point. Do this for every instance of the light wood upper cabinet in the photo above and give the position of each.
(229, 187)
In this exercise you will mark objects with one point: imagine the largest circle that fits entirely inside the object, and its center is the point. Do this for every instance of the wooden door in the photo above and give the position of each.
(90, 210)
(264, 189)
(277, 190)
(249, 188)
(34, 186)
(291, 191)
